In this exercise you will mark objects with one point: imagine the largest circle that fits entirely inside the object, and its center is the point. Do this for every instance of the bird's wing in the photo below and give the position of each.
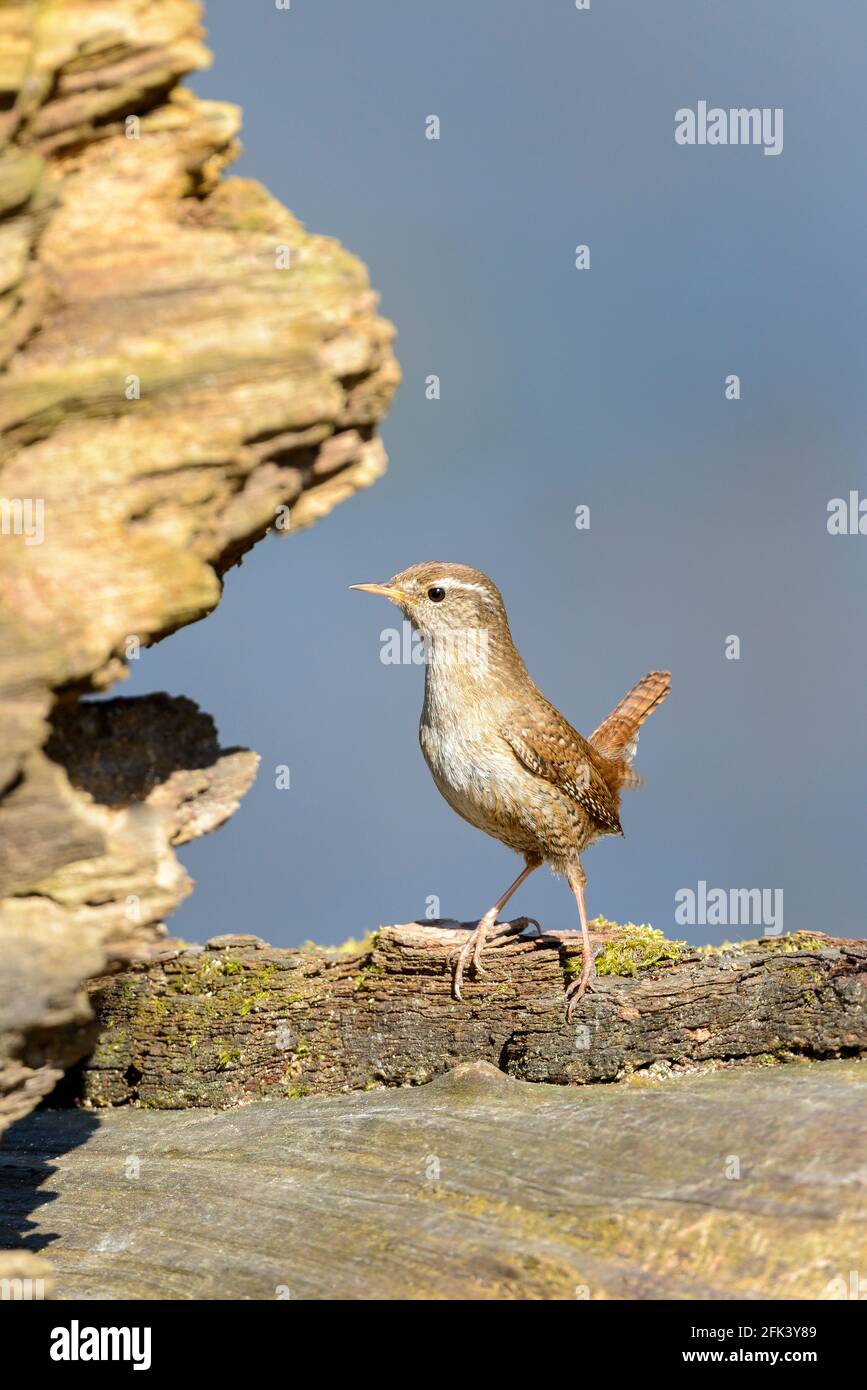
(547, 745)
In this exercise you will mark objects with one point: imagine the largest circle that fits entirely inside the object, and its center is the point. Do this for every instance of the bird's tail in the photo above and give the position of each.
(617, 736)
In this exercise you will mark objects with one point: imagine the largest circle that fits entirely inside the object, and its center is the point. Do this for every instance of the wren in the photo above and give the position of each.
(500, 753)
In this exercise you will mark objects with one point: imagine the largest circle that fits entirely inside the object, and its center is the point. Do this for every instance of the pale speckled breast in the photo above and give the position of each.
(483, 781)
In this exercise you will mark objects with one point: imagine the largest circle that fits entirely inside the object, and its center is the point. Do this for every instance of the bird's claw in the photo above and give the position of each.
(459, 963)
(470, 954)
(467, 955)
(578, 988)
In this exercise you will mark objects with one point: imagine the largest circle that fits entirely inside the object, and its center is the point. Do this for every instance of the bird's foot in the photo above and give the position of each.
(578, 988)
(470, 953)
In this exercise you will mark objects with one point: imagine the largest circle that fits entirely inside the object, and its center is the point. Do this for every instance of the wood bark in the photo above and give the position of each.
(238, 1020)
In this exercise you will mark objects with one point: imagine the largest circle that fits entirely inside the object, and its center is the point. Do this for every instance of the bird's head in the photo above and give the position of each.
(443, 600)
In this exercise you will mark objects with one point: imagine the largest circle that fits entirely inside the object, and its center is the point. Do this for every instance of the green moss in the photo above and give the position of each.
(252, 1000)
(799, 941)
(631, 948)
(226, 989)
(808, 976)
(366, 973)
(263, 974)
(635, 948)
(352, 946)
(148, 1010)
(228, 1057)
(780, 945)
(184, 984)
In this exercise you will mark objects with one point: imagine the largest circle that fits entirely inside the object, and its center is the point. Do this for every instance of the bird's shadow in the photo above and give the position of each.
(443, 924)
(452, 924)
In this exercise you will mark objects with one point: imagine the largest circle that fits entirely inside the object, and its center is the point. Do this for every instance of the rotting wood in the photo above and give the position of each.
(237, 1019)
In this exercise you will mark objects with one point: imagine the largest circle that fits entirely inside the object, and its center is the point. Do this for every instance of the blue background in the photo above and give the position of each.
(561, 387)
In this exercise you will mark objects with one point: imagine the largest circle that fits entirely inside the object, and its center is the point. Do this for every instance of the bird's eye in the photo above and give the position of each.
(436, 594)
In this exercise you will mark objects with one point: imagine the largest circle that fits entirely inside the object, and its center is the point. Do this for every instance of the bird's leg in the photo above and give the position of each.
(471, 952)
(577, 989)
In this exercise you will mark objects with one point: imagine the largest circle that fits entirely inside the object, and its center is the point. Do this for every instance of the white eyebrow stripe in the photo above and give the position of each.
(465, 584)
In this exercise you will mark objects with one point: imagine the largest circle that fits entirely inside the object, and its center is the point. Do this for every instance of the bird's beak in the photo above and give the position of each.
(396, 595)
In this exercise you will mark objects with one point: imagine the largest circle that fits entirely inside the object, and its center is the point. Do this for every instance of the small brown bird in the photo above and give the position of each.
(503, 757)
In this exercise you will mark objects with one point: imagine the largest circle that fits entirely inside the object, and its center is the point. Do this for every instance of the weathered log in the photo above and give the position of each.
(237, 1019)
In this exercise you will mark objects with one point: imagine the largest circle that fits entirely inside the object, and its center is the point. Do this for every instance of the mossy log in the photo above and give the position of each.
(237, 1019)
